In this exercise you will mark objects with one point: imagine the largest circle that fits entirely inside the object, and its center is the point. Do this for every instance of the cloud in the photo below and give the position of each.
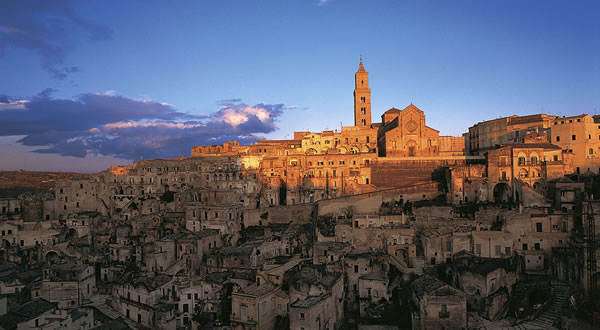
(323, 2)
(49, 28)
(6, 103)
(112, 125)
(229, 101)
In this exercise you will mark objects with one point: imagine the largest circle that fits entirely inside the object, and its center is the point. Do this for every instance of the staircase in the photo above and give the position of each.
(548, 319)
(419, 265)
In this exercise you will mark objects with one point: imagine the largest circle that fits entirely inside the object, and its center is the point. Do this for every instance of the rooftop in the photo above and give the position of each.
(310, 301)
(26, 312)
(258, 290)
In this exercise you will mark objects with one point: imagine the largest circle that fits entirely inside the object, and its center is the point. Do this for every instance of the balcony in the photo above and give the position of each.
(235, 319)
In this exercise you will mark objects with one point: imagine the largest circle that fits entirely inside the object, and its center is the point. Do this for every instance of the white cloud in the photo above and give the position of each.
(236, 116)
(12, 105)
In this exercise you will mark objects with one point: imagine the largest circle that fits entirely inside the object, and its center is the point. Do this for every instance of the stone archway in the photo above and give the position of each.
(71, 234)
(523, 173)
(502, 193)
(52, 257)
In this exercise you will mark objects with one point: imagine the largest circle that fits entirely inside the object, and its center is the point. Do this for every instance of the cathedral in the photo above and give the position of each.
(401, 133)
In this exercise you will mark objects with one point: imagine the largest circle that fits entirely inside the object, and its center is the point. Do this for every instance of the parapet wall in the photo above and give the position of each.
(370, 203)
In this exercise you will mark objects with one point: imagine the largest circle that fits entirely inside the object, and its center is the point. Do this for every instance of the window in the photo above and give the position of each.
(356, 268)
(558, 139)
(591, 151)
(302, 316)
(498, 250)
(478, 249)
(525, 246)
(444, 312)
(521, 160)
(363, 121)
(363, 110)
(537, 246)
(573, 137)
(507, 250)
(538, 227)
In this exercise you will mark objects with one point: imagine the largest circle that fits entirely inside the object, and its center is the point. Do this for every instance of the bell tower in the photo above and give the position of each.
(362, 98)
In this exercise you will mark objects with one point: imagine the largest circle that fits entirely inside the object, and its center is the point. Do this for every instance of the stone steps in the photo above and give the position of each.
(547, 319)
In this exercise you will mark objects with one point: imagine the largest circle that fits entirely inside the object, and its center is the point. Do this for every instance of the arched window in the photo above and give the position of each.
(534, 160)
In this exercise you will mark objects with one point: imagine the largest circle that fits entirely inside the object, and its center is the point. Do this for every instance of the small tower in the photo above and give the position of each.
(362, 97)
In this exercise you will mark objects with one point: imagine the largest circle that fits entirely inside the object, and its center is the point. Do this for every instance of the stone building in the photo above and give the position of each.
(67, 285)
(253, 307)
(437, 305)
(579, 135)
(143, 299)
(316, 297)
(487, 135)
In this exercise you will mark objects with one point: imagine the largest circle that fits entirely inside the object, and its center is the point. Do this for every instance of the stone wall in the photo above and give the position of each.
(299, 213)
(370, 203)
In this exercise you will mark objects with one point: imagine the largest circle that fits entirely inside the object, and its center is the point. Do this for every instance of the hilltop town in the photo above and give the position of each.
(380, 225)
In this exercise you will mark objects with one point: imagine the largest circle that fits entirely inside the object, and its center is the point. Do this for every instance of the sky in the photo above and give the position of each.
(89, 84)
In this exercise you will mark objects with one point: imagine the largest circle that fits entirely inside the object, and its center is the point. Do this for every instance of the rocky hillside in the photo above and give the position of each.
(13, 183)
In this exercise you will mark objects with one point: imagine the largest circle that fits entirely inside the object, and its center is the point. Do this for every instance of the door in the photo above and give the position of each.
(411, 151)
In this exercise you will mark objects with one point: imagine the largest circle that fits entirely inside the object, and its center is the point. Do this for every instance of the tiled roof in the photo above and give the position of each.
(310, 301)
(424, 284)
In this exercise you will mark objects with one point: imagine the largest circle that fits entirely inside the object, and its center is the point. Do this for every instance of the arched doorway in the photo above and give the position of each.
(412, 148)
(52, 257)
(502, 193)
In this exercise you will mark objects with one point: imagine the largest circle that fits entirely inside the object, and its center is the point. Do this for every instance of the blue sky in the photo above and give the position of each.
(87, 84)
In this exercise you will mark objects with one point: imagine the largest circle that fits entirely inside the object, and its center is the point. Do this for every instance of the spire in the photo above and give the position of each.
(361, 68)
